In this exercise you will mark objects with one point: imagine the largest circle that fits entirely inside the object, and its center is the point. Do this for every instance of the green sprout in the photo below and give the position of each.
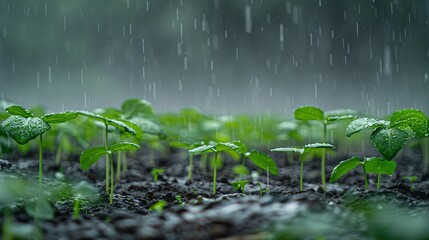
(155, 172)
(303, 151)
(216, 148)
(388, 137)
(239, 185)
(187, 146)
(23, 126)
(158, 206)
(81, 192)
(309, 113)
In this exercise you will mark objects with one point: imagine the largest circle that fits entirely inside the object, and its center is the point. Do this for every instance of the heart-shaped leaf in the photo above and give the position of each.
(23, 129)
(263, 161)
(378, 165)
(60, 117)
(389, 141)
(309, 113)
(344, 167)
(18, 111)
(124, 146)
(364, 123)
(412, 118)
(90, 156)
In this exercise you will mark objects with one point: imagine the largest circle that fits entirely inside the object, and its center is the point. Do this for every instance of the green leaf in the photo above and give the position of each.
(147, 126)
(239, 185)
(137, 129)
(319, 145)
(135, 106)
(389, 141)
(364, 123)
(309, 113)
(380, 166)
(226, 146)
(23, 129)
(340, 114)
(412, 118)
(242, 148)
(202, 149)
(239, 169)
(263, 161)
(289, 149)
(40, 209)
(60, 117)
(19, 111)
(90, 156)
(344, 167)
(182, 145)
(84, 191)
(124, 146)
(115, 123)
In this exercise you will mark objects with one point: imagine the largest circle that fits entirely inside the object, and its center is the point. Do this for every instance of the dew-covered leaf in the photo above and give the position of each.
(378, 165)
(147, 126)
(389, 141)
(309, 113)
(340, 114)
(136, 106)
(137, 129)
(319, 145)
(203, 149)
(23, 129)
(263, 161)
(412, 118)
(124, 146)
(242, 148)
(344, 167)
(289, 149)
(90, 156)
(226, 146)
(364, 123)
(60, 117)
(111, 122)
(19, 111)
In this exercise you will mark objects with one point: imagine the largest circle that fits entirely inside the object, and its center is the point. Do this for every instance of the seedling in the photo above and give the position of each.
(188, 146)
(155, 172)
(303, 151)
(216, 148)
(239, 185)
(309, 113)
(23, 126)
(81, 192)
(179, 200)
(388, 137)
(90, 156)
(158, 206)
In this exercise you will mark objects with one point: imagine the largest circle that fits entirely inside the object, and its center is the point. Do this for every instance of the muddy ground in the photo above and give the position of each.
(399, 210)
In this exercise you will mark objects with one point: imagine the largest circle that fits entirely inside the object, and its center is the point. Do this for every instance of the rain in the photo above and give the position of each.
(252, 56)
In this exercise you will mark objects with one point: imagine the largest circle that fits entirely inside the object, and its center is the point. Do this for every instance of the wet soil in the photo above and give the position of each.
(399, 210)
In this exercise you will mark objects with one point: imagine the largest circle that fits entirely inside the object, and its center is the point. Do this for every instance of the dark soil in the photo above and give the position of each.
(400, 210)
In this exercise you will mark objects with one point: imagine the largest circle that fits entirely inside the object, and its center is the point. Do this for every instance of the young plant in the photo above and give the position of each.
(155, 173)
(388, 137)
(187, 146)
(81, 192)
(239, 185)
(303, 151)
(216, 148)
(309, 113)
(23, 126)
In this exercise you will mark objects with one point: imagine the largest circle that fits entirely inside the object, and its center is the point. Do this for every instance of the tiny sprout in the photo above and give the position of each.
(155, 172)
(158, 206)
(239, 185)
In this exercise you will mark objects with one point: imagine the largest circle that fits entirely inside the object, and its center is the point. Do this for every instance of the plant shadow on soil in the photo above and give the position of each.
(400, 210)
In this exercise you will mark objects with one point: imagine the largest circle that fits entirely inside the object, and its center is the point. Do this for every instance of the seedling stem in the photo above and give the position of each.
(191, 157)
(378, 181)
(365, 177)
(214, 173)
(323, 157)
(301, 174)
(40, 160)
(106, 144)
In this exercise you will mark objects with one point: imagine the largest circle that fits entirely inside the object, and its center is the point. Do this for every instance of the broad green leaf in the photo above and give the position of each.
(60, 117)
(90, 156)
(380, 166)
(124, 146)
(263, 161)
(364, 123)
(146, 125)
(137, 129)
(340, 114)
(19, 111)
(135, 106)
(40, 209)
(289, 149)
(23, 129)
(203, 149)
(182, 145)
(309, 113)
(412, 118)
(226, 146)
(344, 167)
(111, 122)
(242, 148)
(389, 141)
(111, 113)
